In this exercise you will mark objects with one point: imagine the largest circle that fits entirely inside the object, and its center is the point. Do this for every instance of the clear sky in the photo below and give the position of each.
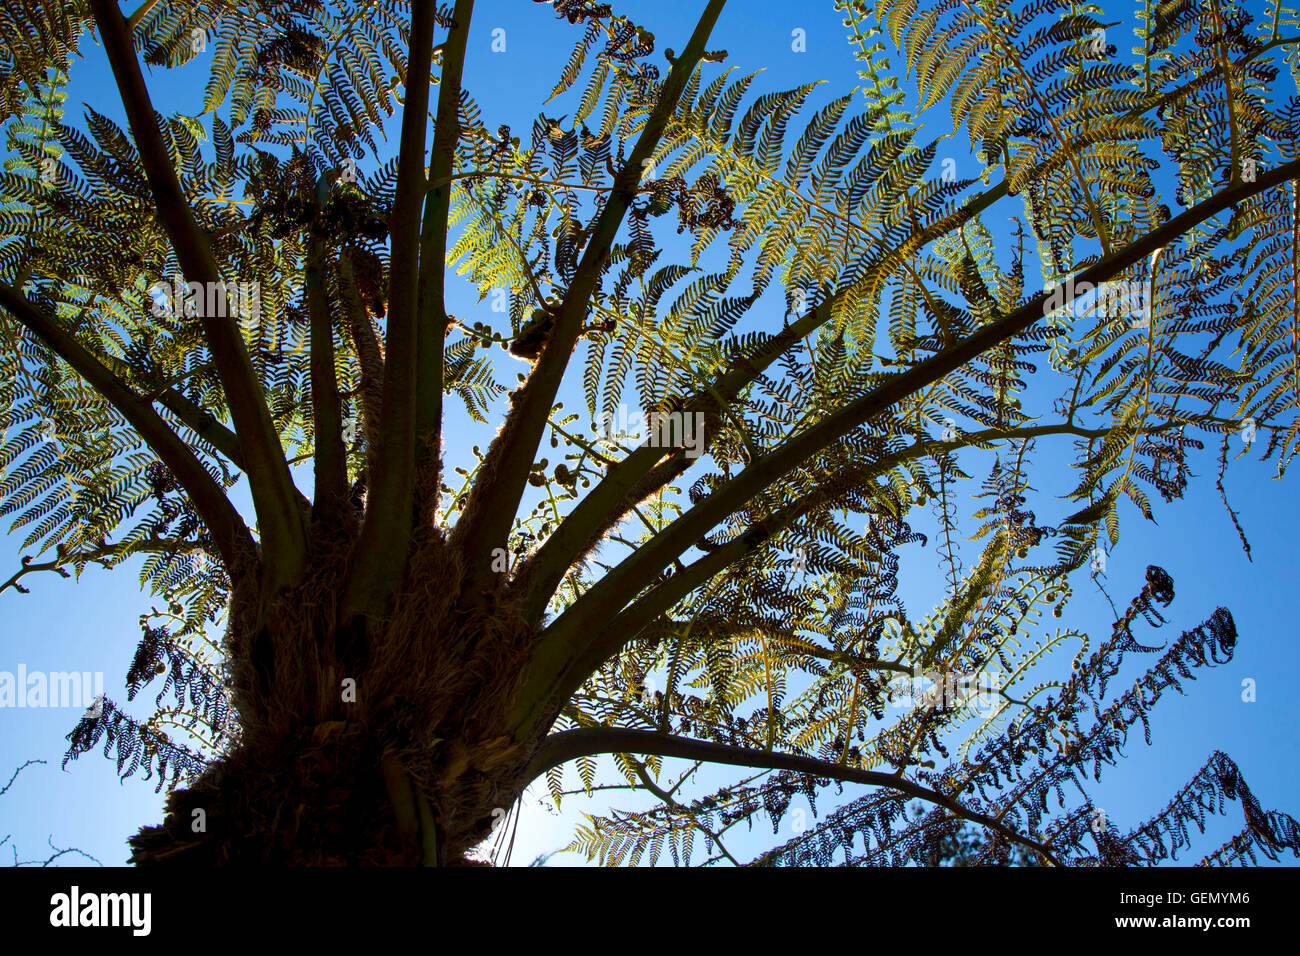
(91, 624)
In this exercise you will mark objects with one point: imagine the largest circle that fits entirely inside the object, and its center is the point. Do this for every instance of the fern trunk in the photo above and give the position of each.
(320, 798)
(375, 742)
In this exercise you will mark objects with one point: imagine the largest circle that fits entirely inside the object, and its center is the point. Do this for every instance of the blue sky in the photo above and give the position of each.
(90, 625)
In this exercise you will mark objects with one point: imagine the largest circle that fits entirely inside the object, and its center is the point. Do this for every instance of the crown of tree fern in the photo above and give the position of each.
(807, 297)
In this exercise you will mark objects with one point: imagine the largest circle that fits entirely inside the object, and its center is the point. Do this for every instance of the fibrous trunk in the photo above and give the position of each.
(360, 742)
